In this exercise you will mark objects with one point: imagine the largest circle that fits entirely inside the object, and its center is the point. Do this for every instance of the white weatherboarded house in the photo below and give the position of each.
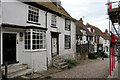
(34, 32)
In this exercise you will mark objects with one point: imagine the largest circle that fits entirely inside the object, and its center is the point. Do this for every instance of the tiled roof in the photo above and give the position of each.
(92, 27)
(81, 26)
(78, 28)
(106, 36)
(48, 4)
(98, 32)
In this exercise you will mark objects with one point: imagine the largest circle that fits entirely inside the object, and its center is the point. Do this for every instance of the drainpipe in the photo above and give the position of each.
(0, 37)
(46, 19)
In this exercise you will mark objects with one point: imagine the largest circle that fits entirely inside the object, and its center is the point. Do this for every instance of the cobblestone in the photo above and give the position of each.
(92, 69)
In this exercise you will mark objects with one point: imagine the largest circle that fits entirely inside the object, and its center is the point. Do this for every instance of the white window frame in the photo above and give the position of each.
(53, 20)
(69, 41)
(36, 33)
(67, 24)
(34, 15)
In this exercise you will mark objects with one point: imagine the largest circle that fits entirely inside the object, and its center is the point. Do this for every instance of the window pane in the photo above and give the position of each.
(29, 46)
(26, 42)
(34, 36)
(38, 42)
(67, 24)
(53, 20)
(34, 41)
(34, 47)
(32, 13)
(38, 47)
(26, 47)
(38, 39)
(41, 46)
(28, 36)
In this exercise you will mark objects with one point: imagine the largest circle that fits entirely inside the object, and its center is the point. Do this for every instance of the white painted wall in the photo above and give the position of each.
(16, 13)
(60, 28)
(106, 44)
(101, 40)
(37, 60)
(84, 38)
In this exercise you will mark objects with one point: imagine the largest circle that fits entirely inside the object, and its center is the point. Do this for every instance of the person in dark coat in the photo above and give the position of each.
(103, 52)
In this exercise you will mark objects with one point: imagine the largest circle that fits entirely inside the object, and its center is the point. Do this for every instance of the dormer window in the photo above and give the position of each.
(67, 24)
(57, 3)
(89, 29)
(33, 14)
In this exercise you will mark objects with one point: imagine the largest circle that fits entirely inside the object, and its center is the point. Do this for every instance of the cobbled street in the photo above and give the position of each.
(92, 69)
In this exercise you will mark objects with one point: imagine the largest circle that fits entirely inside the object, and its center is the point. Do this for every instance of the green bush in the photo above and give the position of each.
(71, 63)
(92, 56)
(98, 54)
(105, 55)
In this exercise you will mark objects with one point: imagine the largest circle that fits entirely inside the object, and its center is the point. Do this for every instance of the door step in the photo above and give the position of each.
(59, 63)
(16, 70)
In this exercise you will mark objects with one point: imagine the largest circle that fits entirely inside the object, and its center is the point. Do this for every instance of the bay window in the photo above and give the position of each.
(35, 39)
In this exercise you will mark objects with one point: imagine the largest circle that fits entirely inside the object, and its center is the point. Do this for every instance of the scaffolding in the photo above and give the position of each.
(114, 22)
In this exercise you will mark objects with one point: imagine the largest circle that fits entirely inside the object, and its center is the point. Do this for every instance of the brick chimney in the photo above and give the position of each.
(106, 31)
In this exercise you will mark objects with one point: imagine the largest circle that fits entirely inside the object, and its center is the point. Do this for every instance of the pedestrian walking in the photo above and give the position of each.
(103, 52)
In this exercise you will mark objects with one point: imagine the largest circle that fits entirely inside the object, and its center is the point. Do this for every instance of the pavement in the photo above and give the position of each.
(114, 73)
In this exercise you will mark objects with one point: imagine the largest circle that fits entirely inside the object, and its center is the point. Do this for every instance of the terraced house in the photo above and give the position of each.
(33, 33)
(101, 39)
(90, 39)
(84, 39)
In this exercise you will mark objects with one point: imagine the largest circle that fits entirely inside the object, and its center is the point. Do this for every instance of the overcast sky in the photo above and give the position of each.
(92, 11)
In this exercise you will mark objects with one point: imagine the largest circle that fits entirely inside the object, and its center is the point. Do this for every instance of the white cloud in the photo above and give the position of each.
(94, 11)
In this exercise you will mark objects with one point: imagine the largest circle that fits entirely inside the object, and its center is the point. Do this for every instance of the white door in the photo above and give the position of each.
(54, 46)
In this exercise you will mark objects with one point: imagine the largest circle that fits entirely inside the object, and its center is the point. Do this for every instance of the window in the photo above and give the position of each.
(107, 49)
(58, 4)
(105, 41)
(53, 21)
(33, 14)
(67, 41)
(78, 37)
(35, 39)
(67, 24)
(91, 38)
(87, 38)
(27, 40)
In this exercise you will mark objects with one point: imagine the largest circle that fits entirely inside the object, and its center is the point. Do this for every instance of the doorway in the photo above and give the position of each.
(9, 48)
(55, 44)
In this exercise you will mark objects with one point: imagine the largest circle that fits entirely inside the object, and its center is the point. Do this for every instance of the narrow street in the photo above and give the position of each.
(92, 69)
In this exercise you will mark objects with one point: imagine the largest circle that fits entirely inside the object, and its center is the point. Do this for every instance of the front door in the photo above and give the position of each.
(9, 48)
(54, 45)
